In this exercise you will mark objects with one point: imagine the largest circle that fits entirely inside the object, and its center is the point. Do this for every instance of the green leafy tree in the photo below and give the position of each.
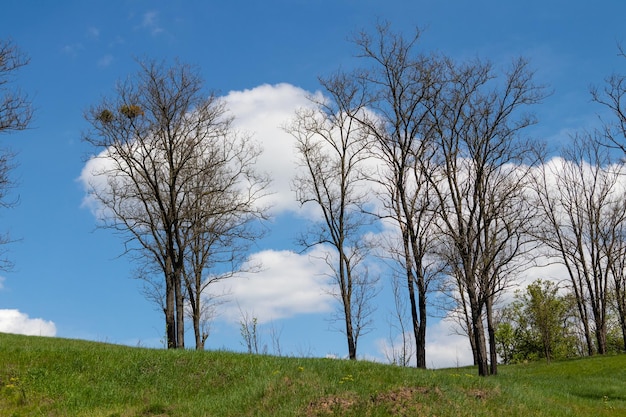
(546, 312)
(537, 325)
(505, 341)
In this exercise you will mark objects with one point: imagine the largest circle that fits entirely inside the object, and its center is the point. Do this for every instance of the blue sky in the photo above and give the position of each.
(263, 57)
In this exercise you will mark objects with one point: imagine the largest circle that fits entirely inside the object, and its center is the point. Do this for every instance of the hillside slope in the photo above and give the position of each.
(60, 377)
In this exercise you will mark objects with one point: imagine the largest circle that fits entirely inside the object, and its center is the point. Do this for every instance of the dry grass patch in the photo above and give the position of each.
(482, 394)
(332, 405)
(403, 401)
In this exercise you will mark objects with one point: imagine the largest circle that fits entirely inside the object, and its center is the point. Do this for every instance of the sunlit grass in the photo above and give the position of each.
(57, 377)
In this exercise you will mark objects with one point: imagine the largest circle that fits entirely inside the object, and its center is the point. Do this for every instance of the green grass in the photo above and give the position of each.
(60, 377)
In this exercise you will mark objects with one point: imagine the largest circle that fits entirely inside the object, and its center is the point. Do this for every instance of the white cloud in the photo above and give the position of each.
(288, 284)
(13, 321)
(93, 177)
(263, 111)
(445, 348)
(2, 279)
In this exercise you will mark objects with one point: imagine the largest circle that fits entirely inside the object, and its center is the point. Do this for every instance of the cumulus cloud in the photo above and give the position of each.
(14, 321)
(263, 111)
(93, 177)
(287, 285)
(445, 348)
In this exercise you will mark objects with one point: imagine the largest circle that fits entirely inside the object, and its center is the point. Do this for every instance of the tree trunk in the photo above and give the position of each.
(493, 355)
(349, 327)
(197, 331)
(345, 283)
(196, 315)
(472, 340)
(180, 312)
(621, 308)
(193, 291)
(580, 303)
(622, 320)
(351, 341)
(414, 316)
(478, 330)
(547, 347)
(600, 334)
(420, 340)
(170, 322)
(467, 321)
(417, 318)
(481, 347)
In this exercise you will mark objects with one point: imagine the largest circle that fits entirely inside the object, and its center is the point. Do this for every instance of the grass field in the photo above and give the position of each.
(60, 377)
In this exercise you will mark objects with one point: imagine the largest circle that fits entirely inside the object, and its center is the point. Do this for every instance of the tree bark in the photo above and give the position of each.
(420, 349)
(493, 355)
(170, 301)
(479, 340)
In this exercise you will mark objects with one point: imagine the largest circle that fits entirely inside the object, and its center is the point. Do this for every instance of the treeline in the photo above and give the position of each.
(438, 151)
(434, 149)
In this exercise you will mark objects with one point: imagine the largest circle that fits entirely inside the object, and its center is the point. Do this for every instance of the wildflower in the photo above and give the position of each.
(347, 378)
(13, 382)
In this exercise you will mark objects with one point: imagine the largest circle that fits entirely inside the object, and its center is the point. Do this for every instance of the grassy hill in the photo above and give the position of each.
(60, 377)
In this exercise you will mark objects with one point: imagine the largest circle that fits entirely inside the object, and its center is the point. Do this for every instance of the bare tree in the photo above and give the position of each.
(613, 135)
(333, 147)
(221, 220)
(403, 84)
(615, 249)
(583, 211)
(169, 159)
(455, 303)
(15, 114)
(15, 108)
(613, 98)
(480, 183)
(248, 327)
